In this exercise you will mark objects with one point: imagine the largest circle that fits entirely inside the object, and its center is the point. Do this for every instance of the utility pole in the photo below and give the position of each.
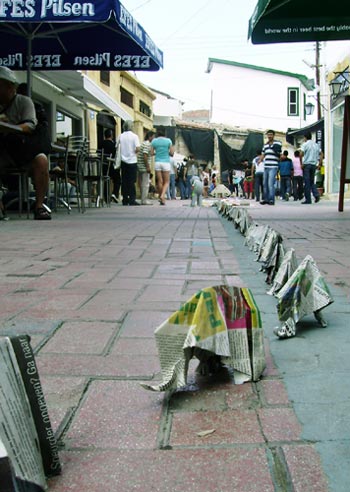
(317, 69)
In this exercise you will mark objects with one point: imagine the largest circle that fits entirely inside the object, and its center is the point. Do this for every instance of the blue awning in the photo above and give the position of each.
(62, 35)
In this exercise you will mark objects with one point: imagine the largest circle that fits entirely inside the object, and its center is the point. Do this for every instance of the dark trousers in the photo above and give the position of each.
(182, 187)
(285, 186)
(258, 186)
(298, 187)
(129, 175)
(114, 174)
(309, 182)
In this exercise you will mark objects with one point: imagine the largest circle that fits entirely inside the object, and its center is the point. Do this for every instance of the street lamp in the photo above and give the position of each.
(340, 83)
(309, 108)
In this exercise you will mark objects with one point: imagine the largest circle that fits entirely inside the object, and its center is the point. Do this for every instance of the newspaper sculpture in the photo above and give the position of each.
(306, 292)
(242, 220)
(220, 191)
(254, 236)
(218, 322)
(287, 268)
(271, 254)
(30, 448)
(17, 430)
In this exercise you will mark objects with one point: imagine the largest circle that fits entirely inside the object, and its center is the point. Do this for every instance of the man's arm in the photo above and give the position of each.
(28, 120)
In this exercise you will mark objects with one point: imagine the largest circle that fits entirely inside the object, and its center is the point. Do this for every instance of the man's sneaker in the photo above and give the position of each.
(317, 199)
(114, 198)
(286, 197)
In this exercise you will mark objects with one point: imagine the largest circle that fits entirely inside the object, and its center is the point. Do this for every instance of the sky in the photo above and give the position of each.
(191, 31)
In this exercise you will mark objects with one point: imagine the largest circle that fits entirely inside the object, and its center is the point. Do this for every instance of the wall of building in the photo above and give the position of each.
(142, 122)
(251, 98)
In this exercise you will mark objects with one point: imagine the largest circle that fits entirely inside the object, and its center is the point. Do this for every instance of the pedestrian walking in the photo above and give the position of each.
(286, 172)
(129, 146)
(171, 191)
(192, 170)
(309, 159)
(163, 148)
(248, 182)
(181, 178)
(109, 150)
(144, 166)
(298, 180)
(258, 172)
(271, 154)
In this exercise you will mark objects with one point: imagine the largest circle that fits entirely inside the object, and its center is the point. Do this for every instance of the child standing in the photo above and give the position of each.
(197, 191)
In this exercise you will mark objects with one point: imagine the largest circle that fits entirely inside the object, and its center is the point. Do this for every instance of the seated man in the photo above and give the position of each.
(19, 110)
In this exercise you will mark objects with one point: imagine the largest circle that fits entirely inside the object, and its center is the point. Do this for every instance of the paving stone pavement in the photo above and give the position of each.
(90, 290)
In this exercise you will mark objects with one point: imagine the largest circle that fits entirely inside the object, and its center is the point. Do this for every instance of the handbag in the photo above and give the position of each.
(118, 157)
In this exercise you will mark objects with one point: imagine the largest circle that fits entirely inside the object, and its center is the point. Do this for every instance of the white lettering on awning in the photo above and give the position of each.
(60, 8)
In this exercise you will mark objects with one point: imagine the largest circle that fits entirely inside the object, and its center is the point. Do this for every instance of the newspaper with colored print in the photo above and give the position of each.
(223, 321)
(305, 292)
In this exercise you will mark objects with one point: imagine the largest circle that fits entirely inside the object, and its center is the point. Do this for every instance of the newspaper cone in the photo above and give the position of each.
(221, 321)
(254, 235)
(305, 293)
(287, 268)
(220, 191)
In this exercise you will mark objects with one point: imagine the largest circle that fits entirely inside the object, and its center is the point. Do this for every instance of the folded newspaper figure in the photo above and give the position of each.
(218, 325)
(306, 292)
(287, 268)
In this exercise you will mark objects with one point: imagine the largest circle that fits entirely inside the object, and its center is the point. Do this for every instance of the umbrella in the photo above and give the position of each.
(288, 21)
(79, 35)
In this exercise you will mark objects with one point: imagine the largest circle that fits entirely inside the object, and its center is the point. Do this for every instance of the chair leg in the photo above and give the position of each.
(26, 191)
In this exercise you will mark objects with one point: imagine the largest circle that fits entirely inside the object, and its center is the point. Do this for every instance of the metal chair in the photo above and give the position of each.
(23, 196)
(72, 170)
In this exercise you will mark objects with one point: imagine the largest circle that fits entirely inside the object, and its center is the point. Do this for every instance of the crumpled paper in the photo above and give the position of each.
(220, 322)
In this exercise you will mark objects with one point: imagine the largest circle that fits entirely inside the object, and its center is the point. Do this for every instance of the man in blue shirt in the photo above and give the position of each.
(309, 159)
(286, 170)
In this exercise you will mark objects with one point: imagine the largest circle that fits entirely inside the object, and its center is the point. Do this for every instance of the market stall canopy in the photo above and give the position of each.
(78, 35)
(290, 21)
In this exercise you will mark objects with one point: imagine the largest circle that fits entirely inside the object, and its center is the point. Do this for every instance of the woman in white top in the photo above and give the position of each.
(258, 173)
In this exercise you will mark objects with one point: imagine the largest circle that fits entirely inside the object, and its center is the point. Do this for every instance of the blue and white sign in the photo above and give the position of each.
(74, 35)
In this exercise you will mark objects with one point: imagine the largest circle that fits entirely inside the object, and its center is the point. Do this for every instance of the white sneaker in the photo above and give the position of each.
(114, 198)
(146, 202)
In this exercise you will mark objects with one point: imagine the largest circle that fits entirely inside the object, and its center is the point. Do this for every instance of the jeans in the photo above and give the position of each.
(258, 185)
(171, 191)
(188, 186)
(309, 182)
(270, 174)
(182, 187)
(285, 186)
(144, 185)
(129, 175)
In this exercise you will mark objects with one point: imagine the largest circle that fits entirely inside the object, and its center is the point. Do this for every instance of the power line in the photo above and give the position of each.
(186, 22)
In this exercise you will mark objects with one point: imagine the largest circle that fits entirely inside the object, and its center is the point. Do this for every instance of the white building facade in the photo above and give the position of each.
(165, 109)
(250, 96)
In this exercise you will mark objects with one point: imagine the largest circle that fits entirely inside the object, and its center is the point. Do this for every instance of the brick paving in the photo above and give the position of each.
(90, 290)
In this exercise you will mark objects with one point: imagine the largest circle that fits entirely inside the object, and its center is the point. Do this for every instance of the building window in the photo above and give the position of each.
(104, 77)
(126, 97)
(145, 109)
(293, 101)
